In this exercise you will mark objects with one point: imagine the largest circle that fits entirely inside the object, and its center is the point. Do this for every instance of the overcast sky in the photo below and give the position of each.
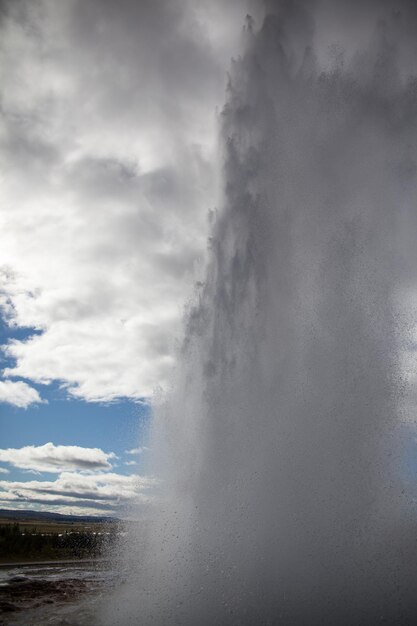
(108, 170)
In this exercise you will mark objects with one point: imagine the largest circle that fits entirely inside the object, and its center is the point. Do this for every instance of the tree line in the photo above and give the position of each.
(18, 543)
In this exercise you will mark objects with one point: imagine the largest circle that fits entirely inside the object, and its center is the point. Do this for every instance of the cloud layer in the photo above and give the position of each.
(71, 491)
(56, 459)
(107, 144)
(86, 481)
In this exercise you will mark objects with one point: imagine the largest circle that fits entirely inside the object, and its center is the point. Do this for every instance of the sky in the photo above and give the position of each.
(108, 146)
(109, 118)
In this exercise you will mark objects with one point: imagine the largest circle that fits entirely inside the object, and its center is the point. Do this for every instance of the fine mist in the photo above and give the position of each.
(282, 498)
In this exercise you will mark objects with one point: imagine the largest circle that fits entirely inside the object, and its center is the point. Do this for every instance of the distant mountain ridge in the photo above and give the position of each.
(52, 517)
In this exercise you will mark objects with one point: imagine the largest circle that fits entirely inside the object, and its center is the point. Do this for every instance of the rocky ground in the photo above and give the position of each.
(24, 594)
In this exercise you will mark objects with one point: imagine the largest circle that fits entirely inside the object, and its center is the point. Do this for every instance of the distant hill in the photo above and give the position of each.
(53, 517)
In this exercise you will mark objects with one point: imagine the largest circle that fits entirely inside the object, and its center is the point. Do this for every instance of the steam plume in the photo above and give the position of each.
(283, 500)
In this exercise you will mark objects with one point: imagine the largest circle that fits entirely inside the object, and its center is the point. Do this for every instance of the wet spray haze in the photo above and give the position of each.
(282, 494)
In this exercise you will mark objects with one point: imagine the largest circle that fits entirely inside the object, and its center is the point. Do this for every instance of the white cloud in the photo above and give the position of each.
(98, 493)
(56, 459)
(18, 393)
(137, 450)
(107, 152)
(3, 470)
(130, 463)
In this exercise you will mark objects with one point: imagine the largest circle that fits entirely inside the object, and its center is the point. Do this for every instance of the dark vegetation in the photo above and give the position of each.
(31, 541)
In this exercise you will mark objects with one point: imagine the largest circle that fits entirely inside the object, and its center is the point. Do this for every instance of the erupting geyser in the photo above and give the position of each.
(283, 501)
